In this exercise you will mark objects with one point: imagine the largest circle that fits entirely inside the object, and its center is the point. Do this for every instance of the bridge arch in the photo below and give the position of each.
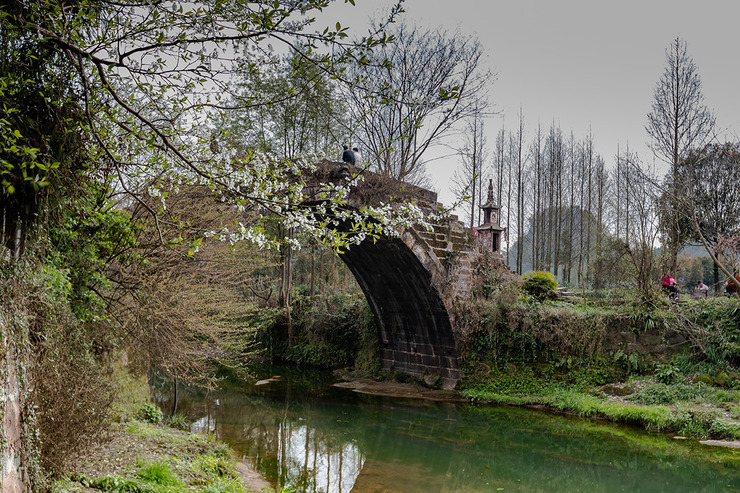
(415, 330)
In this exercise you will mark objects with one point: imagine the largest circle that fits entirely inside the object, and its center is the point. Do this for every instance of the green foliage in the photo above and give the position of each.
(562, 365)
(41, 140)
(329, 332)
(117, 484)
(208, 472)
(667, 373)
(566, 398)
(84, 245)
(23, 169)
(214, 465)
(178, 421)
(591, 371)
(151, 413)
(539, 284)
(160, 473)
(174, 462)
(516, 384)
(692, 419)
(501, 332)
(712, 329)
(725, 429)
(660, 393)
(633, 362)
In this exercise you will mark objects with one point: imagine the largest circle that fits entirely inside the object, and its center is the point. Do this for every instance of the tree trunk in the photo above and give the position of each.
(174, 401)
(313, 272)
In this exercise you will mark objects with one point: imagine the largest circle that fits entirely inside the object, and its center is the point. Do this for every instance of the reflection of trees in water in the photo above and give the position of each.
(274, 436)
(368, 444)
(290, 445)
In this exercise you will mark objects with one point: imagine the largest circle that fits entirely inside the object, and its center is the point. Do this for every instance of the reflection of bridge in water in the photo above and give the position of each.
(411, 282)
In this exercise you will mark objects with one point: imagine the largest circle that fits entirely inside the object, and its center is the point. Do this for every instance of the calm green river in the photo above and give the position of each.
(302, 432)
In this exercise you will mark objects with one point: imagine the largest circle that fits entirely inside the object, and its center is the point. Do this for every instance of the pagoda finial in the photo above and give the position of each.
(490, 190)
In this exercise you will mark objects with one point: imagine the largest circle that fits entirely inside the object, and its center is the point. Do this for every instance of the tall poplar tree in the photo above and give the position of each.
(678, 122)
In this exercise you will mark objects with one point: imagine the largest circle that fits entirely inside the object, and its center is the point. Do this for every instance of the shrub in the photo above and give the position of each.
(61, 349)
(667, 373)
(151, 413)
(724, 428)
(539, 284)
(213, 465)
(633, 363)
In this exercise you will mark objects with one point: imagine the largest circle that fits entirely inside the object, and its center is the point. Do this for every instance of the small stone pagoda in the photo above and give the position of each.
(490, 232)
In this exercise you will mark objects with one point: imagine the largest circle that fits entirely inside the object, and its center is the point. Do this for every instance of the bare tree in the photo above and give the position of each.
(519, 192)
(644, 229)
(536, 151)
(679, 121)
(412, 93)
(468, 178)
(588, 147)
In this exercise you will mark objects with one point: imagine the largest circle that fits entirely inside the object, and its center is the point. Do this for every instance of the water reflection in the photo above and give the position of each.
(308, 461)
(206, 424)
(331, 440)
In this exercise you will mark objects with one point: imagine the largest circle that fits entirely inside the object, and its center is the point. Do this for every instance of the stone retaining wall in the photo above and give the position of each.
(656, 343)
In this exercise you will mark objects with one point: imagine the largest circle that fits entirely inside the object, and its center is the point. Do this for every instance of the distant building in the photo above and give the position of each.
(490, 232)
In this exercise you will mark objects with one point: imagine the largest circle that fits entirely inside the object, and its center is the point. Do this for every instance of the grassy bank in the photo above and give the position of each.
(588, 359)
(142, 457)
(697, 410)
(143, 452)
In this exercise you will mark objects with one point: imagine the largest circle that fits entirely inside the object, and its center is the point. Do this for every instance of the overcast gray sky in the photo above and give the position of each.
(584, 63)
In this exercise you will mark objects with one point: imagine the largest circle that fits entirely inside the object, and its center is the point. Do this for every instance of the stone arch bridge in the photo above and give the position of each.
(411, 283)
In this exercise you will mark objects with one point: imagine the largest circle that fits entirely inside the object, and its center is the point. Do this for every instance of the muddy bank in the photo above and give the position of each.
(401, 390)
(253, 480)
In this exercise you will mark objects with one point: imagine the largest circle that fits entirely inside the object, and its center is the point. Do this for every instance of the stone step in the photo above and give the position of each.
(441, 228)
(440, 252)
(427, 235)
(436, 243)
(460, 241)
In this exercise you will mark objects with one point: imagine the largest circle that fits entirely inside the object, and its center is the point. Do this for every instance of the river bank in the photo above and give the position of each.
(141, 457)
(701, 414)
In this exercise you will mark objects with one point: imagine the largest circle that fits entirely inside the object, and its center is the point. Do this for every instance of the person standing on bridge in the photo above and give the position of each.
(348, 156)
(358, 156)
